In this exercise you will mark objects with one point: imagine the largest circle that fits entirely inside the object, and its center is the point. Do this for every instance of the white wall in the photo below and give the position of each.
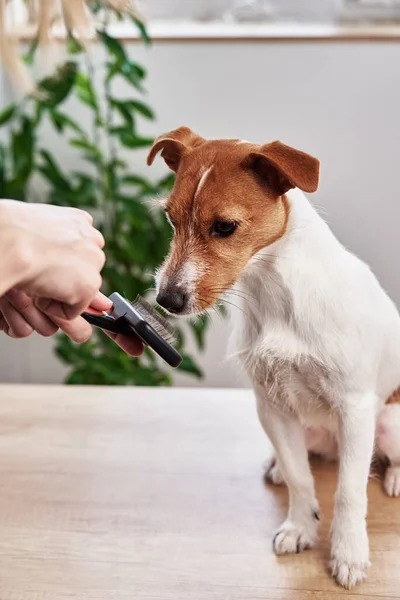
(215, 9)
(339, 101)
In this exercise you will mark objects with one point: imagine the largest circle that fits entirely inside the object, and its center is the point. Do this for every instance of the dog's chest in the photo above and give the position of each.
(285, 364)
(301, 385)
(280, 346)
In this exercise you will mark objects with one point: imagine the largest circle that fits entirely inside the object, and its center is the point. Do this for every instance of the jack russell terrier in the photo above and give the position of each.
(317, 334)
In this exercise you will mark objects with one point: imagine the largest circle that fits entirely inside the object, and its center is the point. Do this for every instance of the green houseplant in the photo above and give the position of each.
(137, 236)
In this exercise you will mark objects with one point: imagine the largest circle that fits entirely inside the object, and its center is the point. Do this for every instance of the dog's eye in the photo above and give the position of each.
(223, 228)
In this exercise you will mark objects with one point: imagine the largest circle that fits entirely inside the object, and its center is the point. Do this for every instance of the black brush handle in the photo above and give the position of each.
(152, 339)
(109, 324)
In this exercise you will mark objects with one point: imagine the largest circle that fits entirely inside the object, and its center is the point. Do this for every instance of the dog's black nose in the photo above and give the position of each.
(172, 299)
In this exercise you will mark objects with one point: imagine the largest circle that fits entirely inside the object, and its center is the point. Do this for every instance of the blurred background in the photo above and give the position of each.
(321, 75)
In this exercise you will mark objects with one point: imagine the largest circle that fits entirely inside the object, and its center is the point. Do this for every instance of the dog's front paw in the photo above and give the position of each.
(348, 574)
(349, 556)
(273, 473)
(292, 538)
(391, 482)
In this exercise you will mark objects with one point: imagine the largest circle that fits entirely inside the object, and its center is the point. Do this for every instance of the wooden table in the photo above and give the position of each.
(157, 494)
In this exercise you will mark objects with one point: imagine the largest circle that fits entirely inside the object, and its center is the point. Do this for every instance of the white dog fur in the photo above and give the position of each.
(317, 334)
(324, 357)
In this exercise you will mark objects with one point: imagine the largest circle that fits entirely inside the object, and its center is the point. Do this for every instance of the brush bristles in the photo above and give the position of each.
(153, 318)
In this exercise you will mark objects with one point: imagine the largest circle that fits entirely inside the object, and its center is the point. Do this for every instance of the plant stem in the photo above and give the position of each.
(100, 166)
(108, 98)
(112, 152)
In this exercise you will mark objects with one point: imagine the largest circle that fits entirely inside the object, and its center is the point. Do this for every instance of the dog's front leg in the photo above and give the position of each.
(299, 531)
(350, 551)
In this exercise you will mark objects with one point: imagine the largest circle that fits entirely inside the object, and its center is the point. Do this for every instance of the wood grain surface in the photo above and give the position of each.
(147, 494)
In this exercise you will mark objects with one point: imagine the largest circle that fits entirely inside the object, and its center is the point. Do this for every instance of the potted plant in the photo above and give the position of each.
(137, 235)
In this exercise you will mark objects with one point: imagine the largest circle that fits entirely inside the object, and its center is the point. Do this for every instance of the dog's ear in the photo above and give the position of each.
(284, 167)
(173, 146)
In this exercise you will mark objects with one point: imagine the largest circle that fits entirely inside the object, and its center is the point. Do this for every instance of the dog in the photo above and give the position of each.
(317, 334)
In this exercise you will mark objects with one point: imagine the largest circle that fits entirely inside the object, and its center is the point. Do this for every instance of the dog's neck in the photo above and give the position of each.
(307, 240)
(285, 284)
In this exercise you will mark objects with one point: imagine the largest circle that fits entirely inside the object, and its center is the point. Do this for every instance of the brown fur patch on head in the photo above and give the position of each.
(226, 181)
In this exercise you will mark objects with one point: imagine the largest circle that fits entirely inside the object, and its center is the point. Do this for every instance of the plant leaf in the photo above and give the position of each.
(133, 73)
(30, 54)
(189, 366)
(73, 45)
(57, 88)
(85, 186)
(7, 114)
(114, 47)
(22, 148)
(180, 339)
(91, 150)
(142, 30)
(62, 121)
(85, 92)
(141, 108)
(118, 163)
(124, 111)
(52, 172)
(129, 70)
(140, 182)
(130, 140)
(199, 329)
(127, 107)
(77, 377)
(3, 166)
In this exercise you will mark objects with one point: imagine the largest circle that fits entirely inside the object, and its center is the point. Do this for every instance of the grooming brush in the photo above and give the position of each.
(138, 319)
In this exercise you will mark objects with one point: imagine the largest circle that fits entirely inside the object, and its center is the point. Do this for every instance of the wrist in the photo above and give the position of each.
(16, 260)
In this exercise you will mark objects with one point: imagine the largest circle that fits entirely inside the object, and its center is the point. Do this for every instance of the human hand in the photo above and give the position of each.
(56, 255)
(130, 345)
(19, 317)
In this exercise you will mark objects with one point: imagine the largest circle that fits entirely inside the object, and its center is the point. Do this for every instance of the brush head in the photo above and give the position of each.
(140, 320)
(153, 318)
